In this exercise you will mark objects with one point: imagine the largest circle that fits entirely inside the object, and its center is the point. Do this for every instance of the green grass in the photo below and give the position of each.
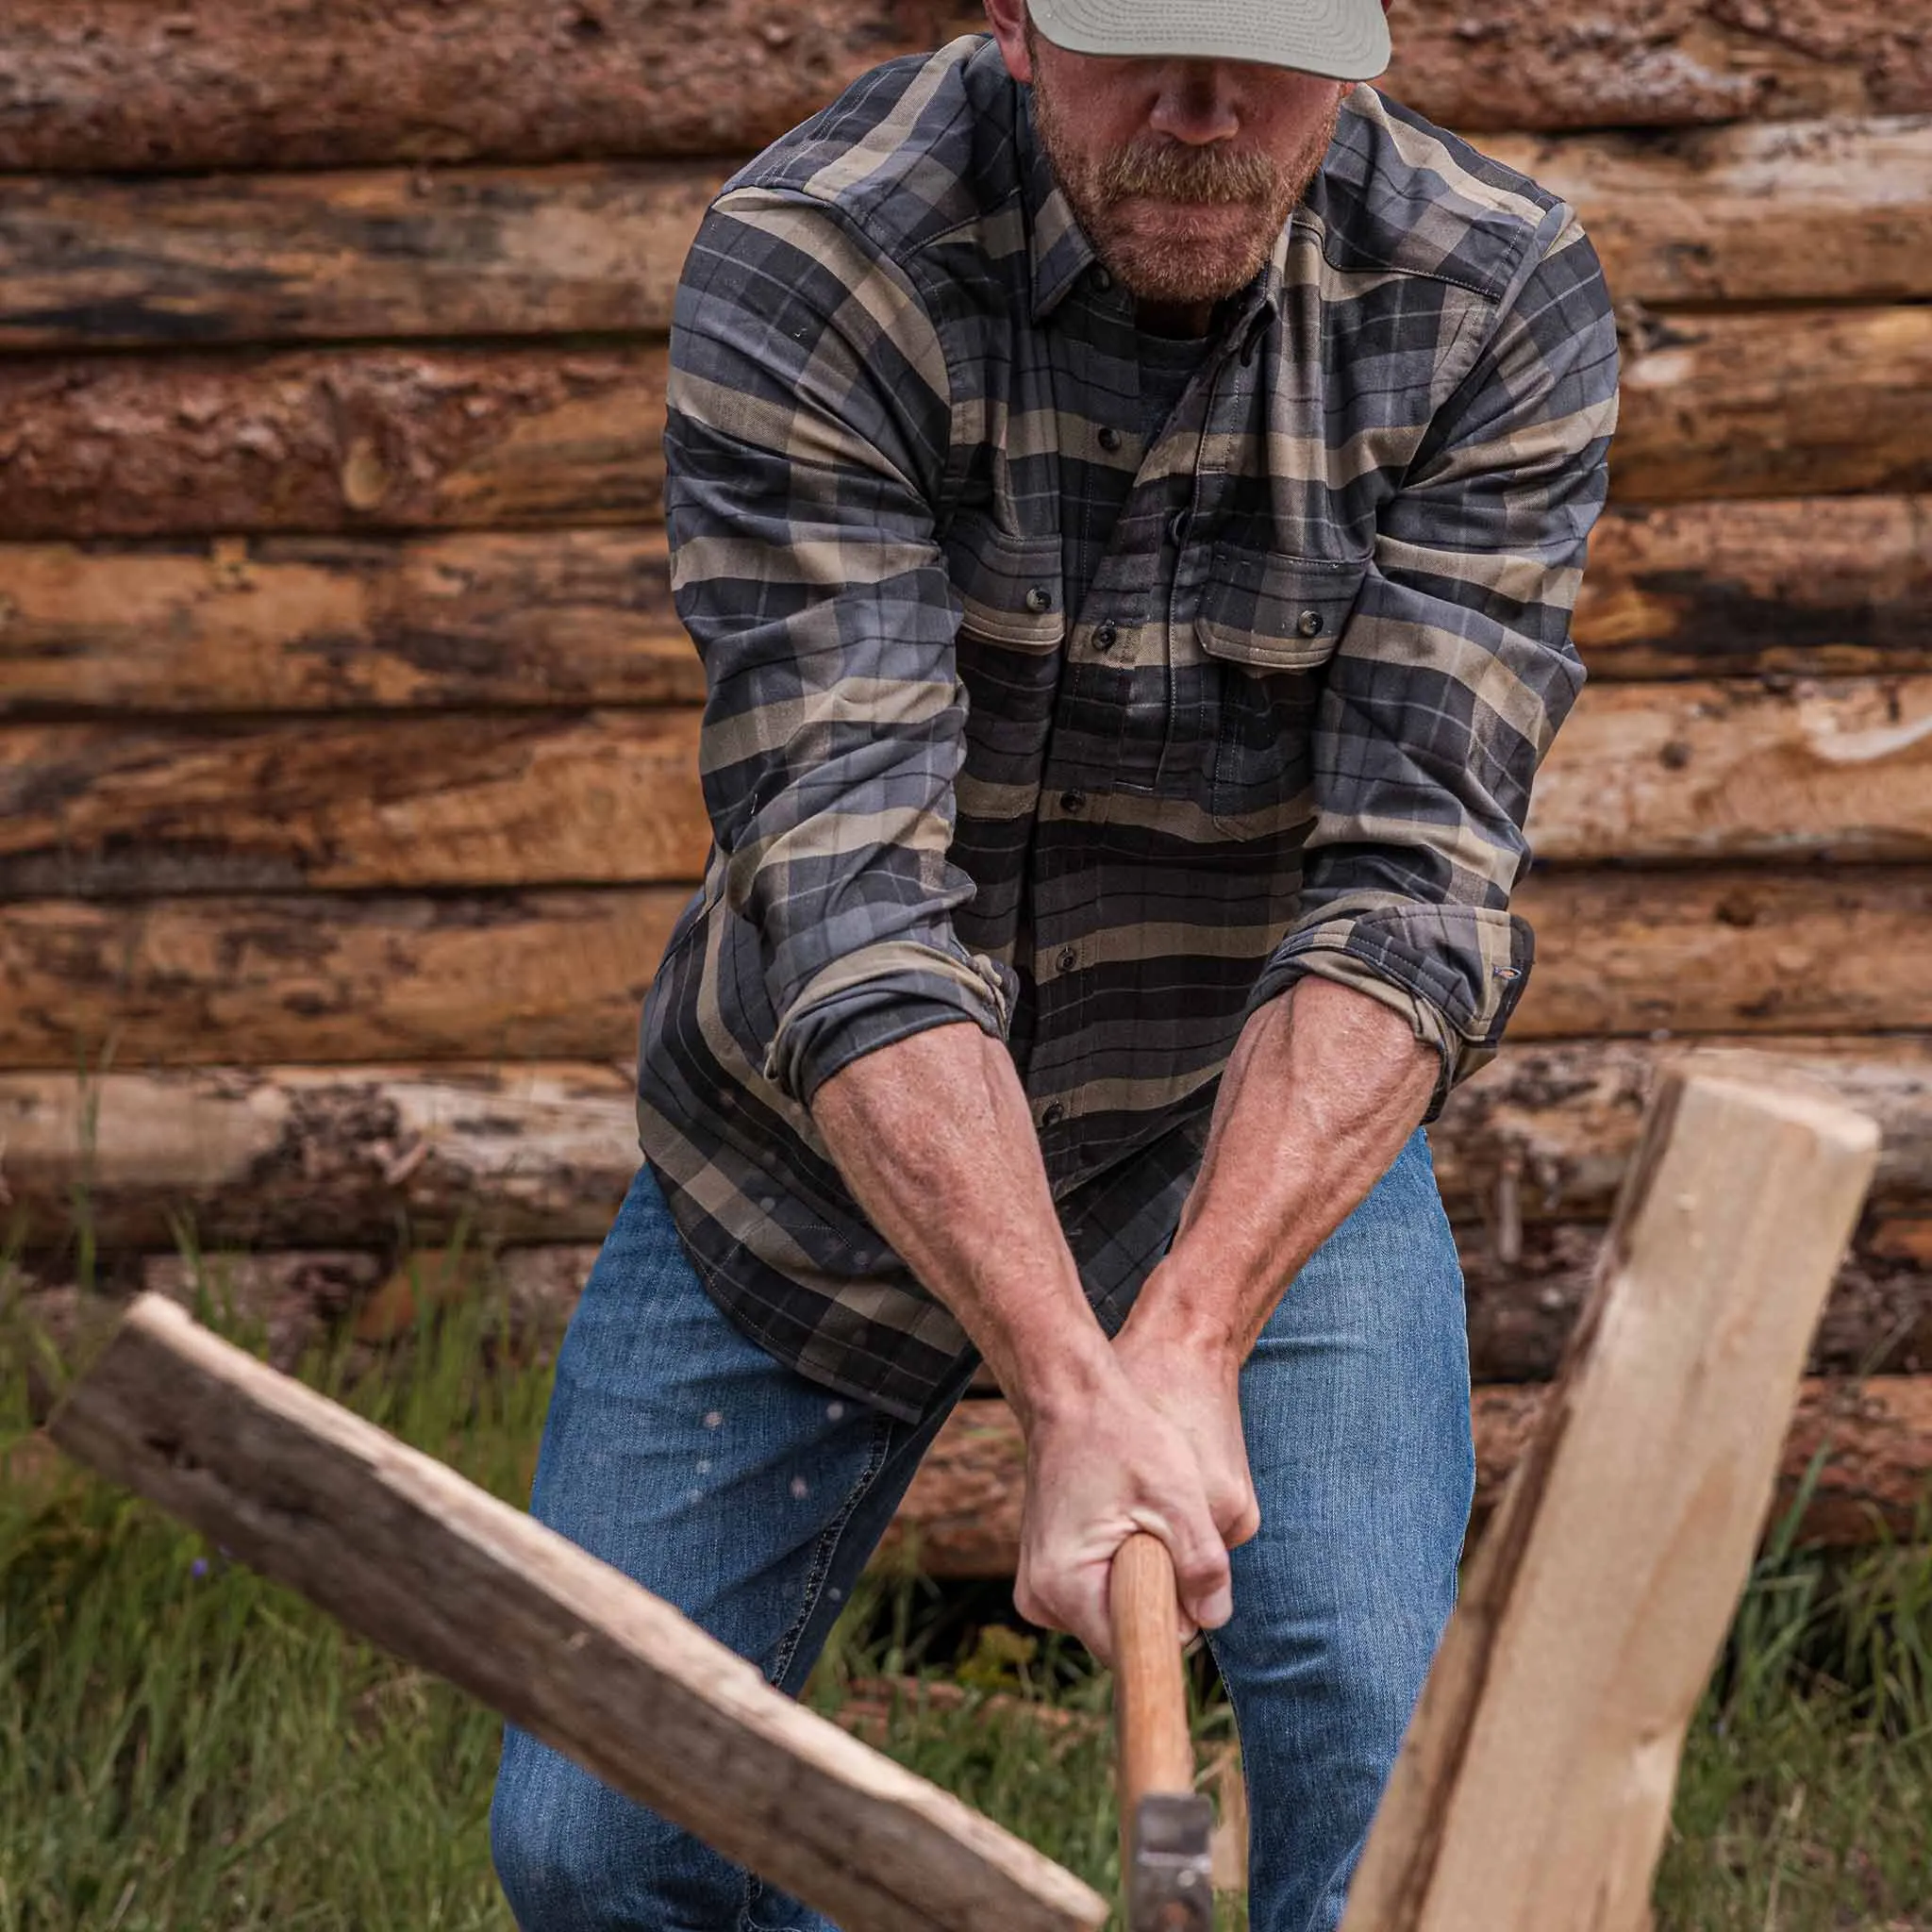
(184, 1747)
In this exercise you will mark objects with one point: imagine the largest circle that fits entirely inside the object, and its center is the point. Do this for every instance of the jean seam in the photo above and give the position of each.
(822, 1563)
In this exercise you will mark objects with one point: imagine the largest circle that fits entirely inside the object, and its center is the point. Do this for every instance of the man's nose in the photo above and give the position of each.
(1197, 102)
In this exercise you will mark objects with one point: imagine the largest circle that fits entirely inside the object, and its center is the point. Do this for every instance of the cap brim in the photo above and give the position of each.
(1342, 40)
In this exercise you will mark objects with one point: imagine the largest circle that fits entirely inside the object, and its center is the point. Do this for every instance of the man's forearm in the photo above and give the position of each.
(1324, 1088)
(935, 1141)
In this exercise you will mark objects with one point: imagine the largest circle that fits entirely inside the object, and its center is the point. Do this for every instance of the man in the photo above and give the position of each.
(1128, 485)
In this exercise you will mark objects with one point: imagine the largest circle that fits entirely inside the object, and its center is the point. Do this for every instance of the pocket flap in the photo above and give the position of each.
(1276, 612)
(1009, 587)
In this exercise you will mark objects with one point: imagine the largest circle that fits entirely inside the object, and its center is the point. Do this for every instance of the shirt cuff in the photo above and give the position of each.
(1454, 974)
(877, 996)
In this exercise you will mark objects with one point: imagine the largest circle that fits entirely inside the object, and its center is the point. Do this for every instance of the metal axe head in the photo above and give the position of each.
(1170, 1888)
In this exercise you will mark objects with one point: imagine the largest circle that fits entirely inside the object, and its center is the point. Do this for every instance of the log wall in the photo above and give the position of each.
(347, 784)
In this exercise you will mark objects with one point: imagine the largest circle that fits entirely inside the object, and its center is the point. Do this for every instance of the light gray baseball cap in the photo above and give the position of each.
(1344, 40)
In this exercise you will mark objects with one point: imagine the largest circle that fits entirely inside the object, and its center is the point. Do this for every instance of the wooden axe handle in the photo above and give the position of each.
(1157, 1754)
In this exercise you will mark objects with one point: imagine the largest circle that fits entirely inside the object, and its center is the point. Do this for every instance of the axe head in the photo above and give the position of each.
(1170, 1888)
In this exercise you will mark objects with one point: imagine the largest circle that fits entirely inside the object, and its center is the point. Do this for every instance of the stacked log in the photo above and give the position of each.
(347, 734)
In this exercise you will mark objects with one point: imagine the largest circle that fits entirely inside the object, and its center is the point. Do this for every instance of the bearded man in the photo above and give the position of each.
(1128, 482)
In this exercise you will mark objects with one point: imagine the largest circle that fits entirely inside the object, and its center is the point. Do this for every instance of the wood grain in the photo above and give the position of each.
(1838, 770)
(1788, 402)
(292, 624)
(320, 441)
(1708, 770)
(961, 1516)
(1795, 404)
(451, 799)
(1760, 211)
(407, 1554)
(318, 1156)
(1827, 210)
(1800, 585)
(114, 85)
(558, 973)
(1534, 1784)
(181, 982)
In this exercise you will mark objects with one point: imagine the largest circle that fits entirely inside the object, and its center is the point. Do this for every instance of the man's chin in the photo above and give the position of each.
(1187, 254)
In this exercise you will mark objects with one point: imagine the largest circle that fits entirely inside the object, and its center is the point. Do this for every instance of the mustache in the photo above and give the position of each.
(1168, 171)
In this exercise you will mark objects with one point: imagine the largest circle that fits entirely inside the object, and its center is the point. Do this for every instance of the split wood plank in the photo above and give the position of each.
(1831, 211)
(1708, 770)
(407, 1554)
(114, 86)
(1803, 586)
(292, 1156)
(1534, 1786)
(1799, 587)
(291, 624)
(1798, 401)
(961, 1516)
(559, 973)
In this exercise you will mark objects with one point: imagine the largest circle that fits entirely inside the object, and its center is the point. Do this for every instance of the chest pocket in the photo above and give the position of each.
(1267, 627)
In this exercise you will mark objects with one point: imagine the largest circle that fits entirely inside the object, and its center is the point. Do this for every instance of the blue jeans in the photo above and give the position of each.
(751, 1498)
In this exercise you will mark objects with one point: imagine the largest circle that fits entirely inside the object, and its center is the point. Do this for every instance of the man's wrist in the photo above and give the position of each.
(1059, 1374)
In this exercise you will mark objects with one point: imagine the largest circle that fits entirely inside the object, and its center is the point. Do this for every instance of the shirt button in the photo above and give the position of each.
(1105, 634)
(1110, 439)
(1052, 1115)
(1038, 599)
(1068, 959)
(1102, 280)
(1072, 801)
(1178, 528)
(1310, 623)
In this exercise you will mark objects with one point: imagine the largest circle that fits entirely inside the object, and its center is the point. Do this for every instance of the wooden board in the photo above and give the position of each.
(558, 973)
(469, 798)
(116, 85)
(1776, 405)
(1534, 1786)
(293, 624)
(961, 1516)
(1801, 402)
(405, 1552)
(1806, 587)
(301, 1156)
(1833, 210)
(1810, 587)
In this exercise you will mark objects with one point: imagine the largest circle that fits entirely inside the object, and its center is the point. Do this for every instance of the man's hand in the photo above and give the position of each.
(1097, 1470)
(1195, 1387)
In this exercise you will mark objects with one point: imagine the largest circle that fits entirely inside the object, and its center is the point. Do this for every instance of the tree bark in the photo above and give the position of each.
(1804, 402)
(114, 85)
(290, 624)
(558, 973)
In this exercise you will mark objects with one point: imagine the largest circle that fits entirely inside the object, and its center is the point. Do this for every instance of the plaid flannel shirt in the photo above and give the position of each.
(1095, 741)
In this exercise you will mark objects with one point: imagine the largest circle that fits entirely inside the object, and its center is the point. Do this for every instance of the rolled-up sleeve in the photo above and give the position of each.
(808, 421)
(1456, 670)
